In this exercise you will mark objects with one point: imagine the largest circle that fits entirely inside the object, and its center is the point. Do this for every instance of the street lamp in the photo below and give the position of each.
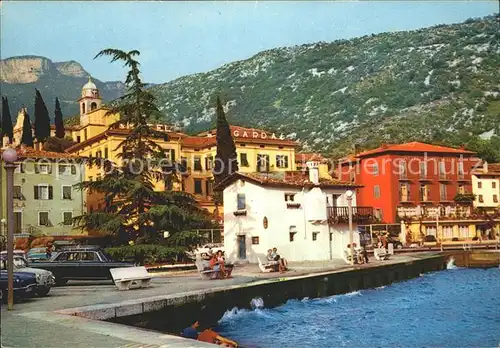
(349, 195)
(10, 156)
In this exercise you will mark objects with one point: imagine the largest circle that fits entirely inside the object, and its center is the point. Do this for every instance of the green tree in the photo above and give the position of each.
(27, 136)
(58, 121)
(7, 129)
(226, 160)
(133, 209)
(42, 120)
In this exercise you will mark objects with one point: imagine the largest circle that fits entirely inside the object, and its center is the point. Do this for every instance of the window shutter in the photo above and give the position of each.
(49, 168)
(22, 167)
(36, 192)
(206, 162)
(73, 169)
(51, 192)
(172, 155)
(286, 161)
(37, 170)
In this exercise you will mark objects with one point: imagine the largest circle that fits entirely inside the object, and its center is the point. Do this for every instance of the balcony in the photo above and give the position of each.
(340, 215)
(403, 177)
(444, 178)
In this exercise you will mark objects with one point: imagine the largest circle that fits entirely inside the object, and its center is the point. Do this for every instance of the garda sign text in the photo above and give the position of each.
(256, 135)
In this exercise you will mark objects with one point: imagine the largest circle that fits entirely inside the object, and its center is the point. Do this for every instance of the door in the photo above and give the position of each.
(242, 248)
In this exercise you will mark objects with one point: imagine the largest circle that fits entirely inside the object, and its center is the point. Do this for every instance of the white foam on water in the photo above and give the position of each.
(380, 287)
(451, 264)
(257, 302)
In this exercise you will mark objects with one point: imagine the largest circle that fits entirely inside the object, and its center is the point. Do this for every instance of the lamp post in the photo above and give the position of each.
(10, 156)
(349, 194)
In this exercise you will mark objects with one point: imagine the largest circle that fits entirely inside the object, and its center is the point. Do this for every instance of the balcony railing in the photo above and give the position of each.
(340, 214)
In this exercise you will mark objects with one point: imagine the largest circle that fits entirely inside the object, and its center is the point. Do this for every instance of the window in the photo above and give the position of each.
(378, 214)
(255, 240)
(442, 170)
(460, 170)
(78, 139)
(402, 170)
(281, 161)
(197, 187)
(376, 191)
(85, 134)
(424, 193)
(430, 230)
(43, 192)
(209, 187)
(184, 163)
(197, 164)
(67, 169)
(88, 256)
(241, 201)
(442, 192)
(67, 218)
(244, 160)
(43, 218)
(315, 236)
(42, 169)
(209, 162)
(448, 232)
(423, 169)
(461, 189)
(17, 192)
(464, 231)
(262, 163)
(289, 197)
(66, 192)
(98, 154)
(106, 153)
(19, 168)
(481, 199)
(479, 184)
(18, 221)
(493, 184)
(404, 191)
(352, 175)
(292, 236)
(495, 198)
(375, 169)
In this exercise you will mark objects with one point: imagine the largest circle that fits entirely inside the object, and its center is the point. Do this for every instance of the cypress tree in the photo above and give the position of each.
(7, 128)
(58, 120)
(27, 137)
(42, 120)
(226, 162)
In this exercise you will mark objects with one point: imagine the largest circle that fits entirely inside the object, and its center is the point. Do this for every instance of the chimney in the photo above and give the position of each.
(485, 167)
(313, 171)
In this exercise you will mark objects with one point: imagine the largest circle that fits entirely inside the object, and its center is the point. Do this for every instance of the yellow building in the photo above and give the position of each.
(486, 187)
(257, 150)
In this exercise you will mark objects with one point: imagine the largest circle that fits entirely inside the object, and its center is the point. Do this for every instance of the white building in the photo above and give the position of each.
(486, 186)
(304, 217)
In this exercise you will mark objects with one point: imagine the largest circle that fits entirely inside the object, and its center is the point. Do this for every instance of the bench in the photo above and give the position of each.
(127, 278)
(269, 266)
(205, 271)
(381, 254)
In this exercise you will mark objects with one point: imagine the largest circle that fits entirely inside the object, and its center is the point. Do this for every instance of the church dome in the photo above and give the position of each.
(89, 85)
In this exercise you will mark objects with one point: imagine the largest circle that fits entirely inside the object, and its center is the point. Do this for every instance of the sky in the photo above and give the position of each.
(181, 38)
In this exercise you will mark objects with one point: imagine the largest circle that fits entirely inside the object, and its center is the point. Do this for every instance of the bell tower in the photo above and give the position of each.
(89, 101)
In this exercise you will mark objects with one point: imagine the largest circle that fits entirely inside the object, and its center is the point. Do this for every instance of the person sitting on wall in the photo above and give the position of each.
(349, 254)
(191, 331)
(282, 263)
(358, 252)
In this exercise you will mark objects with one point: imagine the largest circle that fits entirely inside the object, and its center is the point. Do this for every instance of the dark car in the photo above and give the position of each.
(44, 279)
(396, 243)
(80, 264)
(430, 238)
(24, 285)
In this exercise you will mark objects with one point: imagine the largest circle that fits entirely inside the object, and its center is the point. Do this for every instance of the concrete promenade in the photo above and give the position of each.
(41, 322)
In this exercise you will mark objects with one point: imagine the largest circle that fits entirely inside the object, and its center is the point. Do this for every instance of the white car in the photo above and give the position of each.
(204, 249)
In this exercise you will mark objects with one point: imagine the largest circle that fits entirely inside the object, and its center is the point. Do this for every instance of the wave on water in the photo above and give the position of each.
(451, 264)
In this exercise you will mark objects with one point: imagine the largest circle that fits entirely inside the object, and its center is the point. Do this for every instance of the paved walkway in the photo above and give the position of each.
(33, 324)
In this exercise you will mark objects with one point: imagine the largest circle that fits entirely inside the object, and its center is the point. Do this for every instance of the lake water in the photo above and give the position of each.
(452, 308)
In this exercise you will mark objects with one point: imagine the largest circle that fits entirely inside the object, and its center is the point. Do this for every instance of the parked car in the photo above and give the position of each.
(396, 243)
(44, 279)
(80, 264)
(18, 252)
(24, 285)
(430, 238)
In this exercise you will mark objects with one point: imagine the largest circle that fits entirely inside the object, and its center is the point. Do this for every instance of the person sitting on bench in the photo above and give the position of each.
(281, 261)
(226, 267)
(216, 267)
(270, 261)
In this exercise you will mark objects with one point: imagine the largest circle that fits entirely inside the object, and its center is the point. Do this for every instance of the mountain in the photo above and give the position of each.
(19, 76)
(434, 84)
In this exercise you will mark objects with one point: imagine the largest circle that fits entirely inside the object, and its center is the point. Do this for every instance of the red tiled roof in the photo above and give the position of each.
(493, 167)
(295, 181)
(198, 142)
(28, 152)
(413, 147)
(306, 157)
